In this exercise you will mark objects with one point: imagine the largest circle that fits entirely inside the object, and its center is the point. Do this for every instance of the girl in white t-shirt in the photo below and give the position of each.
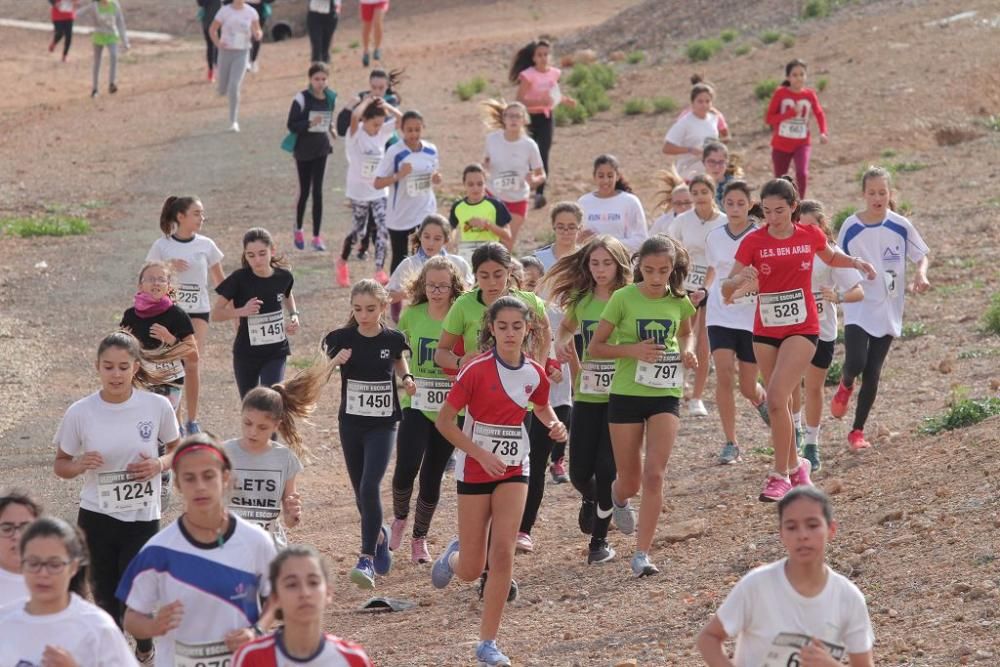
(56, 626)
(512, 159)
(612, 208)
(430, 240)
(796, 611)
(686, 138)
(233, 29)
(17, 511)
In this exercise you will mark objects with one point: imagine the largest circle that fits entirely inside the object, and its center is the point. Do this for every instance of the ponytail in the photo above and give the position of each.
(291, 401)
(144, 378)
(172, 207)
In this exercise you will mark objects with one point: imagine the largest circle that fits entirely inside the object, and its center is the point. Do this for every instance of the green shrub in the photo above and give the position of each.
(788, 41)
(728, 35)
(962, 413)
(565, 115)
(466, 90)
(743, 49)
(992, 123)
(834, 373)
(991, 318)
(637, 106)
(763, 90)
(603, 75)
(816, 9)
(635, 57)
(914, 330)
(888, 153)
(703, 49)
(593, 98)
(904, 167)
(47, 225)
(770, 36)
(839, 217)
(822, 83)
(664, 104)
(904, 208)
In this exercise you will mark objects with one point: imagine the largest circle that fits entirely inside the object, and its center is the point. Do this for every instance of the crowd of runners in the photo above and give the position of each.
(575, 361)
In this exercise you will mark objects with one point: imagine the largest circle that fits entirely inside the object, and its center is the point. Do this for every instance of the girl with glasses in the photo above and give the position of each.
(17, 511)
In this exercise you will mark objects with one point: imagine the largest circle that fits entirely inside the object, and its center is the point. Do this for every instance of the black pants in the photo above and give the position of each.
(311, 174)
(255, 44)
(252, 372)
(419, 447)
(864, 355)
(399, 241)
(541, 128)
(112, 545)
(211, 50)
(63, 29)
(592, 460)
(367, 450)
(538, 459)
(321, 28)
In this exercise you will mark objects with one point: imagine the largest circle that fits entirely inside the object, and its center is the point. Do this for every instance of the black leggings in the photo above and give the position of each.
(538, 458)
(367, 450)
(399, 241)
(255, 44)
(419, 446)
(321, 28)
(252, 372)
(542, 127)
(211, 50)
(592, 461)
(113, 544)
(864, 355)
(311, 174)
(63, 29)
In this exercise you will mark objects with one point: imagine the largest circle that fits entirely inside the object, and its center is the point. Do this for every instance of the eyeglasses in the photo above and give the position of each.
(8, 529)
(567, 228)
(156, 281)
(682, 203)
(716, 163)
(431, 287)
(53, 566)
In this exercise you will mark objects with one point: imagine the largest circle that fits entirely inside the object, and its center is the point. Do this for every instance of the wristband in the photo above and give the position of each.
(406, 375)
(294, 313)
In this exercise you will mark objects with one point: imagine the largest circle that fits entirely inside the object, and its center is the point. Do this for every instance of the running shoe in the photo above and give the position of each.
(800, 476)
(377, 55)
(146, 660)
(442, 572)
(383, 557)
(112, 88)
(512, 592)
(418, 551)
(366, 59)
(586, 517)
(210, 77)
(730, 454)
(539, 201)
(396, 535)
(840, 400)
(362, 255)
(799, 439)
(558, 471)
(299, 239)
(524, 544)
(192, 427)
(810, 452)
(254, 66)
(696, 408)
(381, 277)
(600, 552)
(642, 566)
(624, 517)
(235, 127)
(489, 655)
(775, 488)
(93, 93)
(762, 411)
(856, 440)
(318, 244)
(343, 274)
(363, 574)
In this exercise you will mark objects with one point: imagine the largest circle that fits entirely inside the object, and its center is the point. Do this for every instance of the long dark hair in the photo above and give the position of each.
(123, 340)
(792, 64)
(72, 539)
(784, 189)
(661, 244)
(172, 207)
(292, 400)
(486, 340)
(255, 234)
(621, 183)
(525, 58)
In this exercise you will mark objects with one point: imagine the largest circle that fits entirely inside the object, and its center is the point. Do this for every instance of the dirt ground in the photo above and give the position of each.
(919, 515)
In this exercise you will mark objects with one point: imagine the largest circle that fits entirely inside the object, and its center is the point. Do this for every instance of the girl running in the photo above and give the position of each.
(321, 23)
(796, 611)
(410, 170)
(788, 114)
(207, 9)
(56, 625)
(63, 14)
(675, 199)
(719, 167)
(232, 30)
(512, 159)
(430, 240)
(729, 323)
(481, 218)
(652, 322)
(111, 438)
(263, 288)
(263, 9)
(372, 19)
(310, 119)
(373, 123)
(582, 283)
(301, 591)
(264, 471)
(886, 239)
(829, 286)
(686, 138)
(194, 587)
(776, 258)
(612, 208)
(492, 470)
(420, 446)
(17, 511)
(370, 356)
(109, 31)
(691, 229)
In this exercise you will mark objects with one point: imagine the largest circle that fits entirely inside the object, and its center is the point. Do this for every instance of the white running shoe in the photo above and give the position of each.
(696, 408)
(235, 127)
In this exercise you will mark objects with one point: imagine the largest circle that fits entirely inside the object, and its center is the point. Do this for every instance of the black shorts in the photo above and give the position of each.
(824, 354)
(737, 340)
(200, 316)
(637, 409)
(776, 342)
(487, 488)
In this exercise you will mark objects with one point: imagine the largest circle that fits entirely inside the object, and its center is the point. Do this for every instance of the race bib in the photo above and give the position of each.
(783, 309)
(418, 184)
(169, 371)
(260, 516)
(664, 373)
(745, 298)
(369, 166)
(507, 442)
(118, 492)
(188, 298)
(466, 248)
(431, 393)
(369, 399)
(326, 117)
(889, 277)
(211, 654)
(319, 6)
(65, 5)
(696, 277)
(596, 377)
(820, 303)
(793, 128)
(786, 649)
(266, 328)
(507, 181)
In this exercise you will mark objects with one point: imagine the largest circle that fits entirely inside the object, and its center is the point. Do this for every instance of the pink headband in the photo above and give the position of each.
(198, 448)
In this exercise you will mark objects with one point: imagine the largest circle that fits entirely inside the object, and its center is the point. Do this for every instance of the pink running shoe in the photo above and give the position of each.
(524, 544)
(775, 488)
(396, 534)
(299, 239)
(800, 476)
(381, 277)
(856, 440)
(418, 551)
(838, 404)
(343, 274)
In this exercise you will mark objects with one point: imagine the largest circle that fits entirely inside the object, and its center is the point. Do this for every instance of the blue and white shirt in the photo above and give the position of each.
(411, 199)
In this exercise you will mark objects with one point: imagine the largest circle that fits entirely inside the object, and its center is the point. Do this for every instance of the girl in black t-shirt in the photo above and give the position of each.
(370, 356)
(258, 294)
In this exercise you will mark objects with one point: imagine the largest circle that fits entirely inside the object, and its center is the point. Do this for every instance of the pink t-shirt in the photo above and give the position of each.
(540, 83)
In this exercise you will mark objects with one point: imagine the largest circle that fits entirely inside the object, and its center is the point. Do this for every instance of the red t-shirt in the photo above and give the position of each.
(788, 115)
(270, 651)
(63, 10)
(495, 394)
(785, 304)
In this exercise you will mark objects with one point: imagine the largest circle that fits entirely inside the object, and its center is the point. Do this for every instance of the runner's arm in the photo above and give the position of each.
(710, 644)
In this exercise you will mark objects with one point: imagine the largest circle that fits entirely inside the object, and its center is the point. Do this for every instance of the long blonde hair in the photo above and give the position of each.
(493, 111)
(569, 279)
(292, 400)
